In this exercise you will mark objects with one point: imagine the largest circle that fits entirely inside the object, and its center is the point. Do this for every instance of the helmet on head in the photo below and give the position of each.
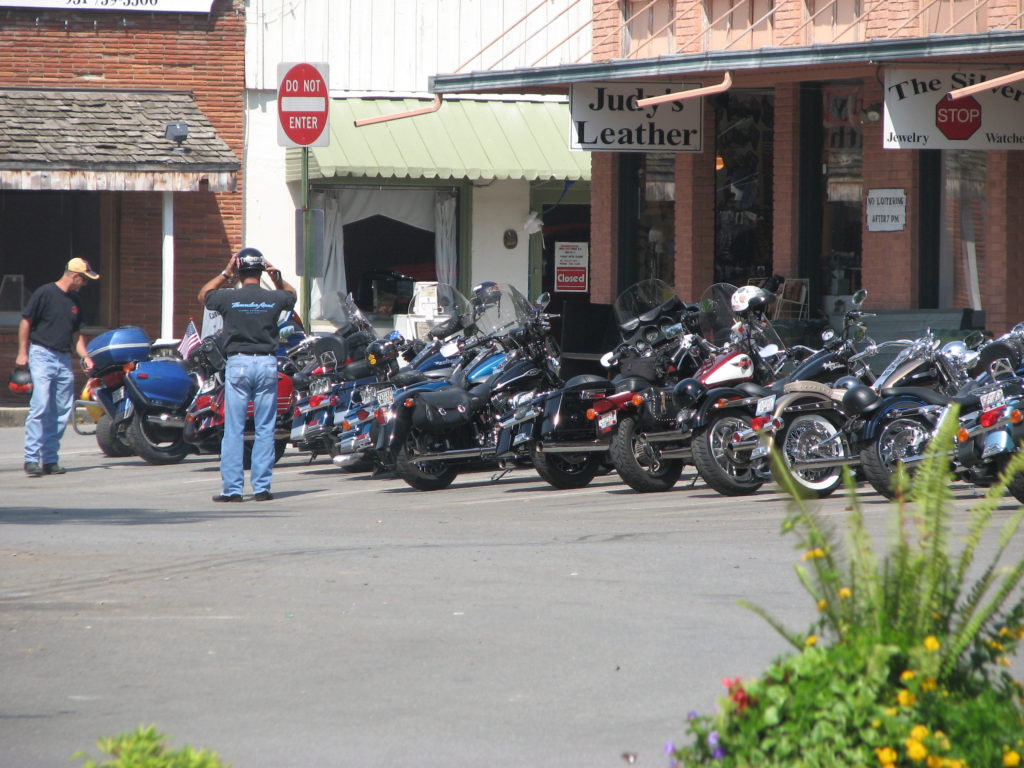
(250, 260)
(20, 382)
(485, 294)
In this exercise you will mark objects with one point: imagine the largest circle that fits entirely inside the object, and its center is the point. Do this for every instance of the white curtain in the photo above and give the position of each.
(445, 252)
(414, 207)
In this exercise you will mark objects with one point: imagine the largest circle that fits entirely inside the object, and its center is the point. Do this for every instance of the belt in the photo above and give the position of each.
(250, 354)
(55, 351)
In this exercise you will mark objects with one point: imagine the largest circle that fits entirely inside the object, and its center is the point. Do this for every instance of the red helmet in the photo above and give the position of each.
(20, 382)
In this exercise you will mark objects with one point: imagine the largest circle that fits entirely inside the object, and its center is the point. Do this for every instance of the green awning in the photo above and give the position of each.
(462, 140)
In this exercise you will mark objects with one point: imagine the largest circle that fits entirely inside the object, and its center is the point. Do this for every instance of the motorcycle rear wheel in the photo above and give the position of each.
(640, 471)
(798, 439)
(566, 470)
(899, 439)
(112, 439)
(157, 444)
(423, 476)
(712, 459)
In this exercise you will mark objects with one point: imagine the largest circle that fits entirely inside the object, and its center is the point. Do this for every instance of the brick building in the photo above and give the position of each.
(826, 148)
(88, 167)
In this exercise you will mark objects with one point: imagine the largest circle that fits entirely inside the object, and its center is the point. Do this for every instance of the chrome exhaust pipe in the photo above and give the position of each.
(663, 437)
(464, 453)
(343, 459)
(826, 462)
(166, 420)
(574, 446)
(677, 453)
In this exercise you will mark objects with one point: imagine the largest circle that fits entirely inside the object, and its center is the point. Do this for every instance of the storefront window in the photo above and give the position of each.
(842, 156)
(656, 233)
(963, 268)
(743, 187)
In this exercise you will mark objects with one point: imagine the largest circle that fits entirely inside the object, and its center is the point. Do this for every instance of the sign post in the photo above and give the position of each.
(303, 108)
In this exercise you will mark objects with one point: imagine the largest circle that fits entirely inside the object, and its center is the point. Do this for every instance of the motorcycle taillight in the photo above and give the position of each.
(988, 418)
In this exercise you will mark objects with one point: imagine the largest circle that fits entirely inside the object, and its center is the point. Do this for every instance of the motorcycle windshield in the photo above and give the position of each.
(497, 313)
(643, 302)
(719, 322)
(354, 315)
(450, 303)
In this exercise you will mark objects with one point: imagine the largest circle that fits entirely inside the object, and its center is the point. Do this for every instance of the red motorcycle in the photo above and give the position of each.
(204, 421)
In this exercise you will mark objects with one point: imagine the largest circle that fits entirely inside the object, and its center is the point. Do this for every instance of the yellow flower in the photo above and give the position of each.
(955, 764)
(916, 751)
(906, 698)
(892, 711)
(876, 723)
(845, 593)
(1011, 759)
(931, 643)
(1003, 661)
(813, 554)
(933, 761)
(929, 684)
(995, 645)
(886, 755)
(942, 739)
(919, 732)
(822, 604)
(811, 640)
(908, 674)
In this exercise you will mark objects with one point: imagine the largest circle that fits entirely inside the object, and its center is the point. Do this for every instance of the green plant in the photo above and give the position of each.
(146, 748)
(906, 664)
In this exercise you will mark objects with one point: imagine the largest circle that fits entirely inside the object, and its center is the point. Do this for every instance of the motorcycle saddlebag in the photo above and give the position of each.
(444, 410)
(159, 385)
(115, 348)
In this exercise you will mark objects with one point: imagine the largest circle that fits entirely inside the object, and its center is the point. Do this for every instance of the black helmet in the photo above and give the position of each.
(20, 382)
(859, 399)
(687, 392)
(381, 352)
(250, 260)
(485, 294)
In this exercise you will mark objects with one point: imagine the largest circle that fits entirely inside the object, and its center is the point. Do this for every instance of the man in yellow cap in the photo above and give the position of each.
(48, 331)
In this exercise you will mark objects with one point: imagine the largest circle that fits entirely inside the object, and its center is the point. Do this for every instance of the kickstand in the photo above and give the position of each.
(696, 476)
(500, 474)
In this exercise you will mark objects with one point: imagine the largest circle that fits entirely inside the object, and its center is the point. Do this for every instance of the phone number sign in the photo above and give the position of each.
(572, 268)
(170, 6)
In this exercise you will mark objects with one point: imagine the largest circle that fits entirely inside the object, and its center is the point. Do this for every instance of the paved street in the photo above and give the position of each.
(355, 622)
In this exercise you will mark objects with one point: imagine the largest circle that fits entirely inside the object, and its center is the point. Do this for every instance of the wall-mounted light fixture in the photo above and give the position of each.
(871, 114)
(177, 132)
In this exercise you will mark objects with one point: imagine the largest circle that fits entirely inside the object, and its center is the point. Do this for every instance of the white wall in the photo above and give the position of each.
(500, 206)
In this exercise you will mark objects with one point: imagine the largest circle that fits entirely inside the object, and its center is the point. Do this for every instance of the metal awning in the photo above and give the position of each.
(463, 140)
(109, 140)
(806, 62)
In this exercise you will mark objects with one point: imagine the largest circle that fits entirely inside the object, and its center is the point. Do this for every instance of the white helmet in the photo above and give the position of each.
(743, 295)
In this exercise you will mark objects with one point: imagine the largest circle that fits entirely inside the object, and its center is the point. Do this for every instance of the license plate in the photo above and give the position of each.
(765, 405)
(385, 397)
(993, 399)
(607, 420)
(117, 395)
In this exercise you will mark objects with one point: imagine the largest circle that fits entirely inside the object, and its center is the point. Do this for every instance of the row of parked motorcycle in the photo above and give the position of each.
(709, 384)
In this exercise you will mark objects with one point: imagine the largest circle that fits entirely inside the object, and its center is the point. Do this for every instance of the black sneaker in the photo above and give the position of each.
(228, 497)
(263, 496)
(53, 469)
(32, 469)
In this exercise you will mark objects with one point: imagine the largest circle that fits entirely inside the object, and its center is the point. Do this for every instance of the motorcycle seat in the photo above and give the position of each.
(932, 397)
(404, 379)
(750, 389)
(587, 381)
(631, 383)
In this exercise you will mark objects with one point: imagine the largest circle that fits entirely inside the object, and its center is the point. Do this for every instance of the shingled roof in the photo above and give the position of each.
(93, 139)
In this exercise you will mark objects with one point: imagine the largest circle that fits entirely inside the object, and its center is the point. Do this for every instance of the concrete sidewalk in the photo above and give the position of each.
(13, 416)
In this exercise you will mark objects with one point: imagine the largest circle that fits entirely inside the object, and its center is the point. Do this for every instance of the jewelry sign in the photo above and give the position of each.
(606, 118)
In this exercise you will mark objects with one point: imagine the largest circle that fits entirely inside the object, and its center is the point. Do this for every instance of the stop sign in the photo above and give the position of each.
(302, 105)
(958, 119)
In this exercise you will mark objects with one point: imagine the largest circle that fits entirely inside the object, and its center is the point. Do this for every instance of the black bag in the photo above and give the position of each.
(444, 410)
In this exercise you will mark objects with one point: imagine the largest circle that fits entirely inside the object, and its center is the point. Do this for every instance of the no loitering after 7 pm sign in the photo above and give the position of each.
(303, 105)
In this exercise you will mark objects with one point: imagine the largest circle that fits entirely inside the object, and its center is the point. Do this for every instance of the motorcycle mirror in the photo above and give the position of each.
(769, 350)
(828, 334)
(450, 349)
(608, 359)
(859, 297)
(975, 338)
(860, 333)
(285, 332)
(542, 301)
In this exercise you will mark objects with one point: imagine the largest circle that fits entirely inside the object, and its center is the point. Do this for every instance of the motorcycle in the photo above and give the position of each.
(433, 434)
(144, 392)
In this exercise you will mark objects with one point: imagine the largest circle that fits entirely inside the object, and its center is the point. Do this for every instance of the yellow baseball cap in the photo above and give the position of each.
(81, 266)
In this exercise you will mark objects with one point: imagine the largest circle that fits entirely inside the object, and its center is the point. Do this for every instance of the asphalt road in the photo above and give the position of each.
(355, 622)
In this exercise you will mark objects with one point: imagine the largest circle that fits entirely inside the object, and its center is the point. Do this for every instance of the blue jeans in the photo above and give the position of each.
(248, 378)
(53, 392)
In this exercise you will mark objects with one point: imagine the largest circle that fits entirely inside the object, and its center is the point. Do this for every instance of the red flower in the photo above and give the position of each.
(737, 693)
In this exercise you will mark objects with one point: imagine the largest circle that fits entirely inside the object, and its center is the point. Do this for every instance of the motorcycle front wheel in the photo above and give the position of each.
(637, 466)
(714, 460)
(810, 436)
(900, 439)
(112, 439)
(426, 475)
(566, 470)
(155, 443)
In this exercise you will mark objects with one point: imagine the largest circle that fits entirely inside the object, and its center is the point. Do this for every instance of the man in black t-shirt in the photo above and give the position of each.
(48, 331)
(250, 344)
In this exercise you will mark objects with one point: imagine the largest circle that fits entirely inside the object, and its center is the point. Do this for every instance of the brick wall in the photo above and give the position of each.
(197, 52)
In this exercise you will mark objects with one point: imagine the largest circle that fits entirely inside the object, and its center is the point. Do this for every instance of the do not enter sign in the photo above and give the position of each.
(958, 119)
(303, 105)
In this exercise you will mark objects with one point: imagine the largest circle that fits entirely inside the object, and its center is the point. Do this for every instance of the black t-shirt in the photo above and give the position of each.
(250, 317)
(54, 317)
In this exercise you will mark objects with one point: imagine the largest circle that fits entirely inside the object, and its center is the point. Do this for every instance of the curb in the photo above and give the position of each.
(13, 417)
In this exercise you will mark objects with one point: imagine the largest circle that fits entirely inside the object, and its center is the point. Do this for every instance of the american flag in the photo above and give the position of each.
(190, 340)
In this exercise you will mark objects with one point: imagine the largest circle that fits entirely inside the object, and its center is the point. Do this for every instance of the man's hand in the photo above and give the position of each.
(21, 360)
